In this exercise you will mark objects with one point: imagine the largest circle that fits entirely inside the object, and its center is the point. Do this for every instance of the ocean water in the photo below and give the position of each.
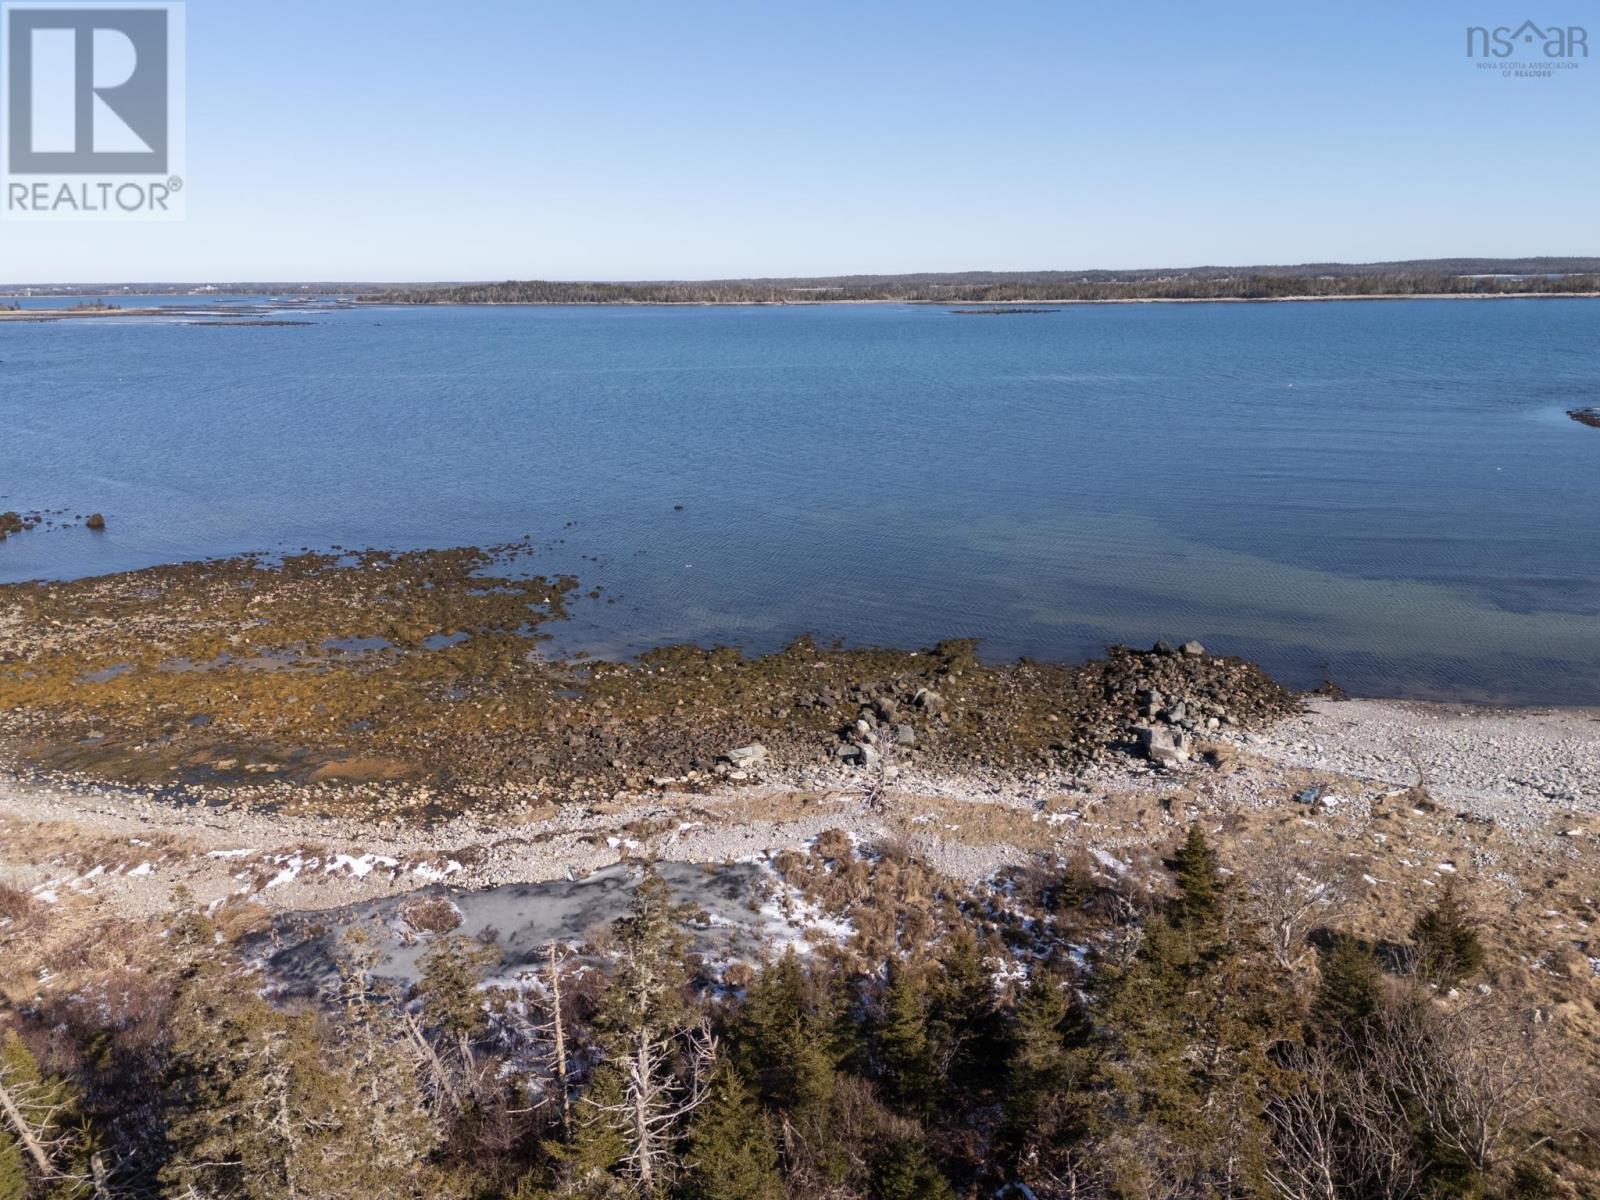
(1389, 494)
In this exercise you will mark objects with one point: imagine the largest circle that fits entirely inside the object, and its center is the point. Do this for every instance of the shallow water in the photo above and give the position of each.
(1387, 493)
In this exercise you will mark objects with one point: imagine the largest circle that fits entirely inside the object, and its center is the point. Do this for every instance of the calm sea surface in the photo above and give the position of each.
(1387, 493)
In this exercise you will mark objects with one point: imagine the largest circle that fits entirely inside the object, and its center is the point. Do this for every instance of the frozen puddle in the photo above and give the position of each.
(740, 911)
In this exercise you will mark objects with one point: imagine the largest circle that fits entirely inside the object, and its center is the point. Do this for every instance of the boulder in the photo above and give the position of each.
(904, 735)
(1193, 650)
(1161, 745)
(748, 756)
(95, 521)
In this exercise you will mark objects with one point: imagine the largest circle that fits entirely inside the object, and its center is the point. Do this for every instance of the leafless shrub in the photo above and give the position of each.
(834, 844)
(1481, 1080)
(1338, 1132)
(434, 914)
(1288, 897)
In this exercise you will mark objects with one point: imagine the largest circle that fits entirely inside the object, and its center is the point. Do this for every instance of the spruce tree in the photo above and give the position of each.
(905, 1172)
(451, 973)
(786, 1044)
(963, 1024)
(653, 1063)
(43, 1150)
(1199, 903)
(903, 1040)
(731, 1153)
(1048, 1099)
(1190, 1024)
(1447, 948)
(1350, 993)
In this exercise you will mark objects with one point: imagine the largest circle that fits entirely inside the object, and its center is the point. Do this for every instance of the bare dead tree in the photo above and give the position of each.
(1337, 1131)
(656, 1098)
(559, 1035)
(37, 1112)
(1287, 898)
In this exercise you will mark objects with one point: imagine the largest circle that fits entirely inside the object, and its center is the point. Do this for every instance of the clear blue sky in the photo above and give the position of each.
(487, 139)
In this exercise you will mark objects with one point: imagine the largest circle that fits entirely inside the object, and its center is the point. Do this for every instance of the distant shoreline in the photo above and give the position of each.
(42, 315)
(957, 300)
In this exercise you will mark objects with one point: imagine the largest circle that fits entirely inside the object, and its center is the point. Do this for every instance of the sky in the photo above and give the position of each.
(492, 139)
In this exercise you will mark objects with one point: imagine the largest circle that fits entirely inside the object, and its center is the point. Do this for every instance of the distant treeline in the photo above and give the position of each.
(1436, 277)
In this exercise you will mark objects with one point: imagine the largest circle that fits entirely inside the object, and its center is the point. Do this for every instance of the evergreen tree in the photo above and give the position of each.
(1350, 993)
(963, 1024)
(598, 1144)
(1048, 1103)
(1190, 1024)
(654, 1067)
(1447, 948)
(731, 1153)
(905, 1172)
(786, 1044)
(263, 1107)
(451, 973)
(909, 1076)
(1199, 903)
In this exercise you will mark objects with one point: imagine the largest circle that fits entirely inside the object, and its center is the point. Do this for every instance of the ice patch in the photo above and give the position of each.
(435, 874)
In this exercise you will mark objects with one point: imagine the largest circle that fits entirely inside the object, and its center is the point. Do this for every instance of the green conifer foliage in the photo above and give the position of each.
(1349, 996)
(909, 1076)
(786, 1044)
(654, 1059)
(1446, 940)
(732, 1155)
(43, 1151)
(1190, 1022)
(905, 1172)
(1199, 904)
(1049, 1078)
(963, 1024)
(451, 972)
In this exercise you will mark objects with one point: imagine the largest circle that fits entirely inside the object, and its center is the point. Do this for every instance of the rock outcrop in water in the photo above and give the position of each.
(1586, 416)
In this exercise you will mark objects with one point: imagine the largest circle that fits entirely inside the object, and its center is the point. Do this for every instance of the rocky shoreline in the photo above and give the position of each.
(375, 724)
(414, 684)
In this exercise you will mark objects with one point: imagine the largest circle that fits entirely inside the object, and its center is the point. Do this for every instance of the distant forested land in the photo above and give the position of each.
(1427, 277)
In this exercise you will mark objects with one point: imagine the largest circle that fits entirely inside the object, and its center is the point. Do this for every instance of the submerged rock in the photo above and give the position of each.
(1585, 416)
